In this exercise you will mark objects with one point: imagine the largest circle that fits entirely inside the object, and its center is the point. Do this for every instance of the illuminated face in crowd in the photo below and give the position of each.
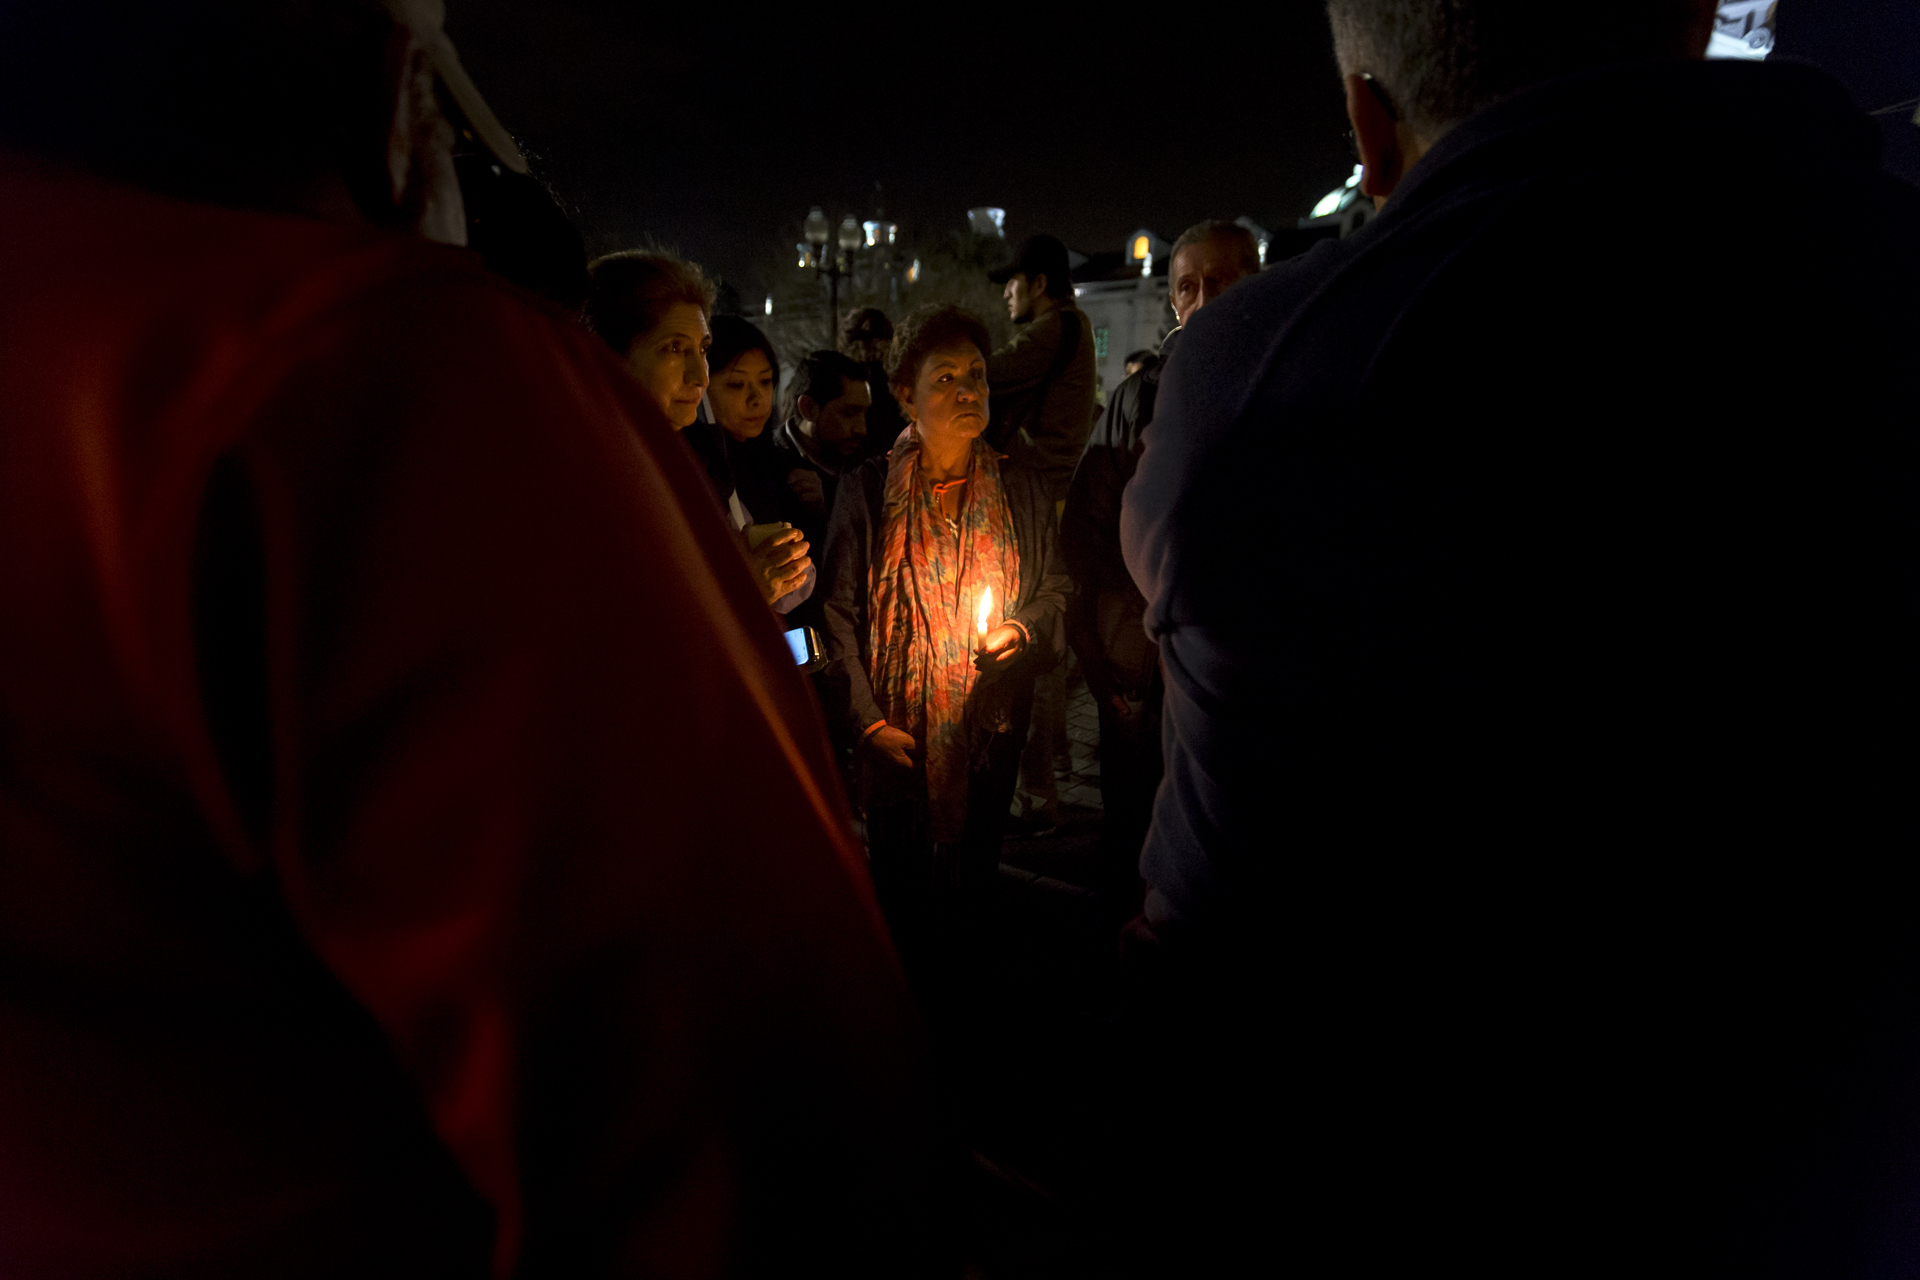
(670, 362)
(839, 426)
(742, 394)
(949, 393)
(1201, 272)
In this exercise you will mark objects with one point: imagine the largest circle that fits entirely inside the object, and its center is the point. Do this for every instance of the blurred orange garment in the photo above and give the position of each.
(381, 690)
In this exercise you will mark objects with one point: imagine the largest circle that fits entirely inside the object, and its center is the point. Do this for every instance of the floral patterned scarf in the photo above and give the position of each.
(923, 597)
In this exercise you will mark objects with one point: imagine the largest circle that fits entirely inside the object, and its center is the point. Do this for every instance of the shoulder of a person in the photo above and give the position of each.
(261, 274)
(1026, 489)
(1046, 328)
(871, 477)
(255, 296)
(784, 452)
(452, 281)
(1229, 337)
(335, 268)
(1123, 409)
(1279, 290)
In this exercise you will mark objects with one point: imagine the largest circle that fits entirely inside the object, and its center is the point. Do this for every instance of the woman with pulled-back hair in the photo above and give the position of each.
(655, 311)
(945, 598)
(745, 382)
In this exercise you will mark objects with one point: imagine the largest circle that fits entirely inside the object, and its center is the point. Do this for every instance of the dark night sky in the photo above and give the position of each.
(715, 131)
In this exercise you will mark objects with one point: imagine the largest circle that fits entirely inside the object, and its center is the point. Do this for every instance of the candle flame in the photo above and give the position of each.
(986, 606)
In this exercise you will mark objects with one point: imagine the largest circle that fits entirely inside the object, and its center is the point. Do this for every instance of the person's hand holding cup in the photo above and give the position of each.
(777, 553)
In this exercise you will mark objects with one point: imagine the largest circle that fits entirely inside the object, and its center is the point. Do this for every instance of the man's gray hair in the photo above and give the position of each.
(1440, 61)
(1227, 233)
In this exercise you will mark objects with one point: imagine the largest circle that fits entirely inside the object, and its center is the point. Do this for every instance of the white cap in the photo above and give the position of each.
(427, 19)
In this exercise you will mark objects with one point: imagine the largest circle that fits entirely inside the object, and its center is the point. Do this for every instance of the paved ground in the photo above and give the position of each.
(1030, 1045)
(1081, 789)
(1030, 1052)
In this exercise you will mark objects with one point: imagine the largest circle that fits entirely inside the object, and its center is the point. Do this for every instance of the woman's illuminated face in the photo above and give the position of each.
(949, 393)
(670, 362)
(742, 395)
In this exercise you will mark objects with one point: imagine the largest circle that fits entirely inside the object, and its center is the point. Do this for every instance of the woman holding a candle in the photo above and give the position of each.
(945, 599)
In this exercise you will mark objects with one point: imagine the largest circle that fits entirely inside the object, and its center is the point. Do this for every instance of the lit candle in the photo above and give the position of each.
(986, 606)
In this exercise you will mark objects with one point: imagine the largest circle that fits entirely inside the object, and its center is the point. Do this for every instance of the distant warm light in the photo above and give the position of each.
(1143, 247)
(913, 272)
(769, 304)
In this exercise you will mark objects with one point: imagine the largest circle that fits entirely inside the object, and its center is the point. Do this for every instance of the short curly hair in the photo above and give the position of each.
(633, 291)
(927, 330)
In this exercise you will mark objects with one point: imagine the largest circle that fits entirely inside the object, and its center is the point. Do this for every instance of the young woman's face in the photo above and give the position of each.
(949, 395)
(742, 395)
(670, 362)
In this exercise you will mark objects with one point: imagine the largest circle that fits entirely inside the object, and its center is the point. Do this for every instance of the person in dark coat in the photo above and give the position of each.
(742, 390)
(822, 436)
(944, 602)
(1532, 573)
(1043, 410)
(1104, 613)
(865, 337)
(418, 855)
(1043, 380)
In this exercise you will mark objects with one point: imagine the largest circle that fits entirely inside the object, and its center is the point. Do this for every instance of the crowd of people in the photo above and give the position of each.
(978, 540)
(421, 853)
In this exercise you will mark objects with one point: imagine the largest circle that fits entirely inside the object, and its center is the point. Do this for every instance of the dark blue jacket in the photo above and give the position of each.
(1526, 442)
(1533, 574)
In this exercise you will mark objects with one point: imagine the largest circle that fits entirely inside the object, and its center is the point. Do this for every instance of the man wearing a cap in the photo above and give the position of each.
(1042, 405)
(1042, 382)
(368, 901)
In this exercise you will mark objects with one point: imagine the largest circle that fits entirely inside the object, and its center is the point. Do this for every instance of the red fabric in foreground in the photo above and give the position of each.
(555, 875)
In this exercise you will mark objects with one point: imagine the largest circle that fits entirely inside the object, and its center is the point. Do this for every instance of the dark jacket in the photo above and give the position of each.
(1042, 399)
(851, 539)
(1106, 609)
(1533, 578)
(805, 484)
(885, 422)
(742, 469)
(779, 480)
(757, 478)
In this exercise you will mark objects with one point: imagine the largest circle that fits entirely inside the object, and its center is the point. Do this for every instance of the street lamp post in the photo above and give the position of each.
(834, 266)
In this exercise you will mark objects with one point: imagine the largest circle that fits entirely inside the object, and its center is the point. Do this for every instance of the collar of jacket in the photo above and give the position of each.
(787, 434)
(1167, 344)
(1688, 123)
